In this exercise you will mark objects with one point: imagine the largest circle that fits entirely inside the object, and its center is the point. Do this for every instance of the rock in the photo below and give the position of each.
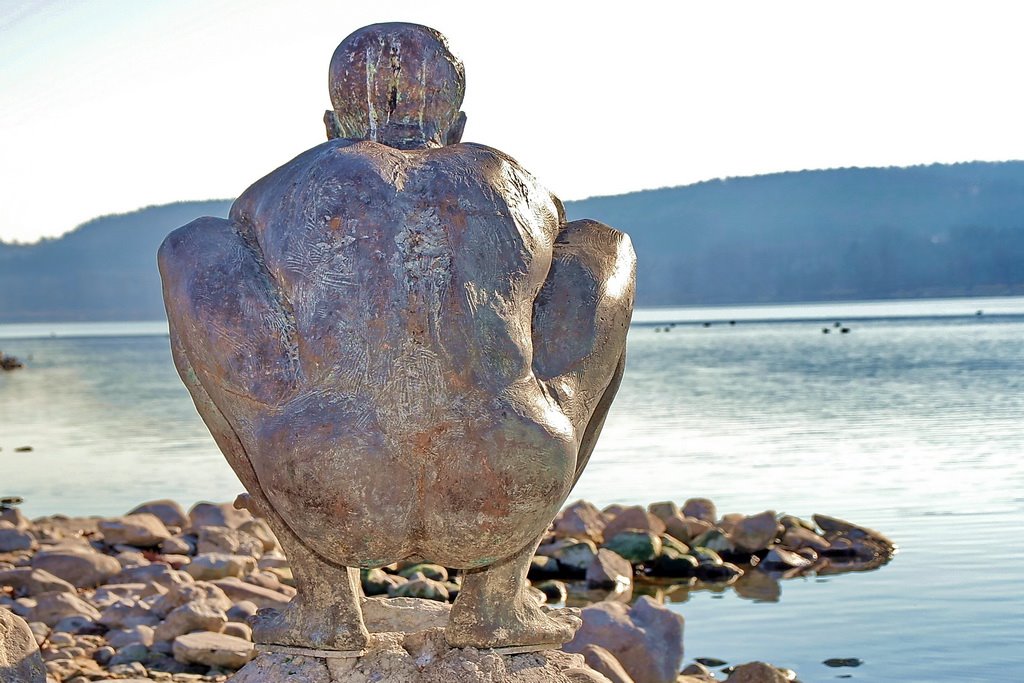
(178, 545)
(133, 652)
(219, 565)
(609, 570)
(20, 661)
(421, 587)
(850, 530)
(278, 668)
(238, 630)
(156, 573)
(716, 540)
(237, 590)
(755, 533)
(192, 616)
(202, 591)
(119, 638)
(213, 649)
(582, 519)
(543, 567)
(604, 662)
(29, 581)
(757, 672)
(52, 607)
(646, 639)
(82, 569)
(664, 510)
(76, 623)
(698, 669)
(142, 530)
(379, 582)
(14, 517)
(554, 590)
(634, 518)
(636, 547)
(258, 528)
(241, 611)
(797, 537)
(672, 563)
(128, 613)
(228, 541)
(167, 511)
(404, 615)
(727, 522)
(217, 514)
(700, 508)
(780, 559)
(718, 573)
(430, 571)
(12, 539)
(574, 558)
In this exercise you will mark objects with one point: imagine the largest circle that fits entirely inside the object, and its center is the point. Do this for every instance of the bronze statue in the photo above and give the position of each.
(403, 350)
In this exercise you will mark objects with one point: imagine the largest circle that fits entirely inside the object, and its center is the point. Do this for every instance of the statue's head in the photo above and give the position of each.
(397, 84)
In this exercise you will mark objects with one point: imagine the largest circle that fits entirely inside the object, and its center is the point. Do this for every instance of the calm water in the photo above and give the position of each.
(911, 424)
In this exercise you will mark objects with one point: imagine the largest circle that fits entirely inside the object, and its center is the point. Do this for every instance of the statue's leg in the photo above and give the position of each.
(495, 610)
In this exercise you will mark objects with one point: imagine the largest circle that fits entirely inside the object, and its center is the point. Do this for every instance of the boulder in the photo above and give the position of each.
(167, 511)
(647, 638)
(29, 581)
(142, 530)
(208, 566)
(217, 514)
(755, 533)
(609, 570)
(52, 607)
(700, 508)
(664, 509)
(81, 568)
(213, 649)
(582, 519)
(228, 541)
(635, 518)
(20, 661)
(604, 662)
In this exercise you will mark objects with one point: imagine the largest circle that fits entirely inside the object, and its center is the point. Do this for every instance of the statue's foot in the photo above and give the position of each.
(516, 626)
(297, 626)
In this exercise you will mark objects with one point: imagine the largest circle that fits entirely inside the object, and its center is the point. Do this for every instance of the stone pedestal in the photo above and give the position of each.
(408, 646)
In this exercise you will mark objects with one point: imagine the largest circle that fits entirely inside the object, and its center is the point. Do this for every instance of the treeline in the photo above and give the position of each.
(940, 230)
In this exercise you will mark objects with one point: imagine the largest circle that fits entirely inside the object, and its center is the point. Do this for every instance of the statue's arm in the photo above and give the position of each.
(580, 321)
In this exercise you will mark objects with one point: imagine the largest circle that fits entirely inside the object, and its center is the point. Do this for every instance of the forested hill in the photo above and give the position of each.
(940, 230)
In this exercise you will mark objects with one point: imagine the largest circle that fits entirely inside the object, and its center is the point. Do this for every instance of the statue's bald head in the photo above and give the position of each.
(397, 84)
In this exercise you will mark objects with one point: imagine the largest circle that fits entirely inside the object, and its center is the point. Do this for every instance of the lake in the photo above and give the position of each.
(909, 423)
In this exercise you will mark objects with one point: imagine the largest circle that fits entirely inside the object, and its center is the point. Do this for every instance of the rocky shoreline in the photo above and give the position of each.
(161, 594)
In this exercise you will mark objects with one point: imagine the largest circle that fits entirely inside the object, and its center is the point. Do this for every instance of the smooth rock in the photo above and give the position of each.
(378, 581)
(604, 662)
(210, 566)
(238, 630)
(609, 570)
(178, 545)
(780, 559)
(237, 590)
(29, 581)
(133, 652)
(167, 511)
(430, 571)
(156, 573)
(797, 537)
(259, 528)
(404, 615)
(421, 587)
(228, 541)
(634, 518)
(543, 567)
(76, 623)
(576, 557)
(279, 668)
(755, 533)
(647, 639)
(192, 616)
(241, 611)
(201, 591)
(217, 514)
(700, 508)
(672, 563)
(554, 590)
(142, 530)
(20, 661)
(13, 539)
(128, 613)
(52, 607)
(849, 530)
(582, 519)
(14, 517)
(716, 540)
(118, 638)
(637, 547)
(213, 649)
(82, 569)
(757, 672)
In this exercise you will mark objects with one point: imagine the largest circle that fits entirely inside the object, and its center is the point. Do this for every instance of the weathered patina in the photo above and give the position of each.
(403, 349)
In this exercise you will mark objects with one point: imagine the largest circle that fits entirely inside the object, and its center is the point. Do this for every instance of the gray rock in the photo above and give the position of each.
(76, 623)
(217, 514)
(213, 649)
(167, 511)
(156, 573)
(700, 508)
(604, 662)
(118, 638)
(29, 581)
(208, 566)
(576, 557)
(200, 591)
(82, 569)
(12, 539)
(20, 661)
(142, 530)
(582, 519)
(133, 652)
(228, 541)
(609, 570)
(755, 533)
(52, 607)
(192, 616)
(646, 639)
(128, 613)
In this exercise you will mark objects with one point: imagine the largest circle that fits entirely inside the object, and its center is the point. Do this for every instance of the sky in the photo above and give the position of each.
(110, 105)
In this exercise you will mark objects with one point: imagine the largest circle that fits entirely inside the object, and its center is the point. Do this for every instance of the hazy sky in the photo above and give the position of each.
(109, 105)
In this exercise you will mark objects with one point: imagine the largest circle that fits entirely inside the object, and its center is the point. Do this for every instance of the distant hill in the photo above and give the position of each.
(873, 233)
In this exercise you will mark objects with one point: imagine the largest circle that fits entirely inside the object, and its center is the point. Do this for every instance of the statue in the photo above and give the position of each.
(403, 349)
